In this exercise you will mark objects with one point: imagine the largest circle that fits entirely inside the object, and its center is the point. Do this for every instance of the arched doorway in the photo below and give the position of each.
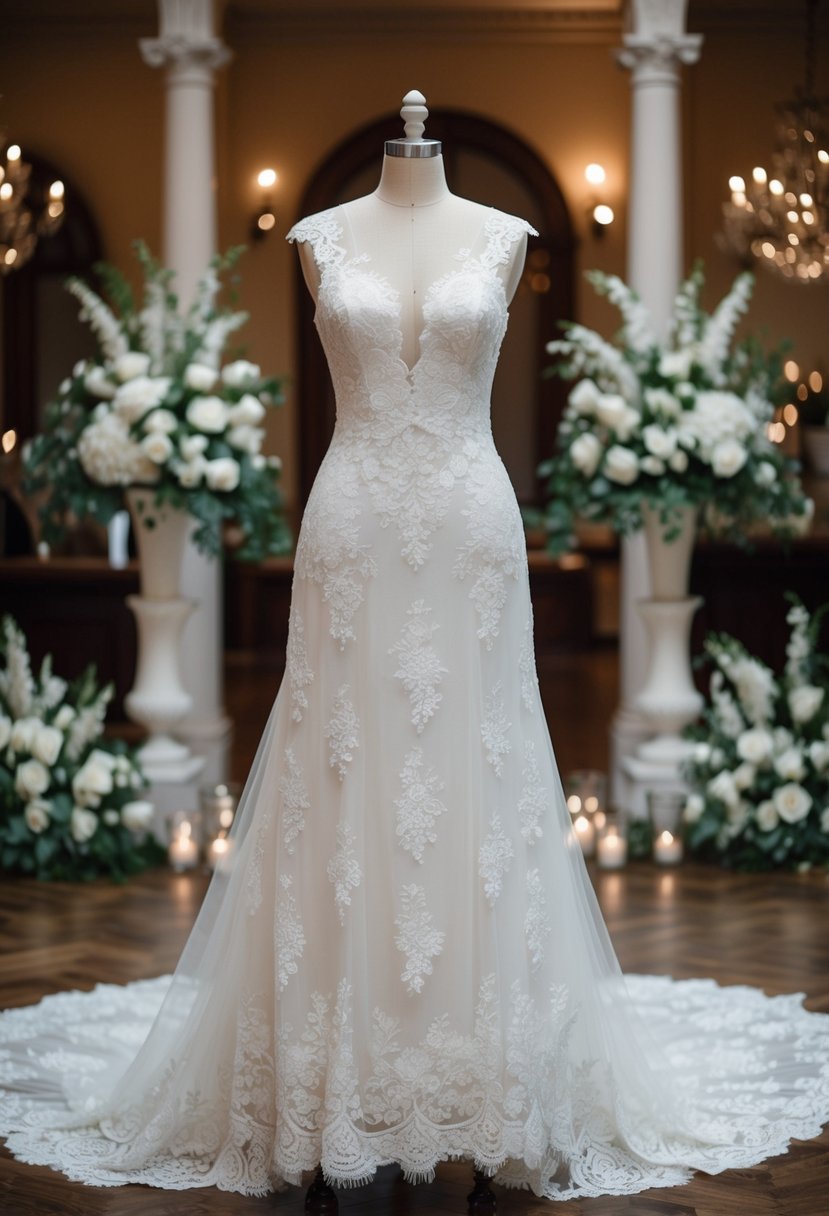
(486, 162)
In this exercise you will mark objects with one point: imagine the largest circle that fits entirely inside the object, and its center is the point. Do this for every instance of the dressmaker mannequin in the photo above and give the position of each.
(411, 226)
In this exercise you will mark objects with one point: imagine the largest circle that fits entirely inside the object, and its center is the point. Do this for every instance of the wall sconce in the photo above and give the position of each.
(601, 215)
(264, 219)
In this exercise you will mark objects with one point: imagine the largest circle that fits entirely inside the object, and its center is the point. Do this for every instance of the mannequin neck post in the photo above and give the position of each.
(412, 181)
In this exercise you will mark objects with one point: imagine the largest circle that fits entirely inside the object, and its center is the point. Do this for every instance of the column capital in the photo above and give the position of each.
(657, 57)
(183, 52)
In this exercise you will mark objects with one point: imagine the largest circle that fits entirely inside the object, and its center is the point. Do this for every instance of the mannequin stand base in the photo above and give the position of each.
(480, 1199)
(320, 1199)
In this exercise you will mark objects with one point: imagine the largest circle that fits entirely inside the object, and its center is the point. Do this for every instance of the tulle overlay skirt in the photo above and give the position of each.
(402, 959)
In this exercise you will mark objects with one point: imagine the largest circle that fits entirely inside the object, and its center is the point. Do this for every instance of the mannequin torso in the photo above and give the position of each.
(412, 228)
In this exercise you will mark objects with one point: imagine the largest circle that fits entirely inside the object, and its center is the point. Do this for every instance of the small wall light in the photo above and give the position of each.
(601, 215)
(265, 218)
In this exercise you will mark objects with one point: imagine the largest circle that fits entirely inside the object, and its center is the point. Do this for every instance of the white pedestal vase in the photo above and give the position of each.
(158, 699)
(668, 699)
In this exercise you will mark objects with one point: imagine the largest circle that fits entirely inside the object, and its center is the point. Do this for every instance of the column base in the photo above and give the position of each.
(644, 774)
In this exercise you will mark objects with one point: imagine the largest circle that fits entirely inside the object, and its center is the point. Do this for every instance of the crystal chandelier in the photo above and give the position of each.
(26, 212)
(782, 217)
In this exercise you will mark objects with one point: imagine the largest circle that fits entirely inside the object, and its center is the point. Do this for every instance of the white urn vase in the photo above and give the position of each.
(158, 700)
(668, 698)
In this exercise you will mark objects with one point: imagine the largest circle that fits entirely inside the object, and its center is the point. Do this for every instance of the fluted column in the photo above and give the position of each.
(654, 51)
(189, 51)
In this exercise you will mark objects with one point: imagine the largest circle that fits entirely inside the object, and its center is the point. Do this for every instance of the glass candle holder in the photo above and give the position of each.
(611, 844)
(586, 792)
(665, 814)
(218, 807)
(217, 850)
(183, 840)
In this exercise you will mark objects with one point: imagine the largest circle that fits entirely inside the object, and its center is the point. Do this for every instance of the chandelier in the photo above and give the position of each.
(782, 217)
(27, 212)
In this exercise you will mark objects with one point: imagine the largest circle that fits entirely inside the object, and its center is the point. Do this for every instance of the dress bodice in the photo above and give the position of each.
(447, 390)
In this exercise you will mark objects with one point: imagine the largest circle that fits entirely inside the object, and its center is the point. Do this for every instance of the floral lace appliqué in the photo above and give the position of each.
(533, 801)
(418, 806)
(344, 869)
(417, 938)
(288, 934)
(494, 727)
(537, 923)
(419, 668)
(295, 800)
(300, 675)
(494, 857)
(526, 665)
(342, 732)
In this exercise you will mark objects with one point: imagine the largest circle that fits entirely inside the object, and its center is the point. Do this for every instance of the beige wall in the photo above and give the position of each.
(78, 92)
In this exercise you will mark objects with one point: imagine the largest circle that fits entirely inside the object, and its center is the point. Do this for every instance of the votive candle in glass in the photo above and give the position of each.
(667, 849)
(611, 846)
(183, 847)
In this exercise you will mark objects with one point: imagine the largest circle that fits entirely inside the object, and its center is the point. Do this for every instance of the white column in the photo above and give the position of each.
(190, 52)
(654, 50)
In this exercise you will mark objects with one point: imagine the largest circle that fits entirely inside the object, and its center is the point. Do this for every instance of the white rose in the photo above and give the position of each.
(819, 755)
(621, 465)
(207, 414)
(660, 401)
(585, 453)
(782, 738)
(824, 820)
(723, 787)
(728, 457)
(792, 802)
(64, 716)
(766, 474)
(652, 465)
(222, 474)
(694, 807)
(133, 363)
(23, 733)
(259, 461)
(615, 413)
(247, 410)
(737, 816)
(65, 386)
(767, 817)
(193, 446)
(161, 420)
(676, 364)
(157, 447)
(97, 382)
(137, 816)
(111, 817)
(246, 438)
(239, 373)
(5, 730)
(36, 815)
(584, 398)
(91, 781)
(82, 824)
(659, 442)
(679, 461)
(274, 462)
(789, 764)
(701, 753)
(31, 779)
(755, 746)
(46, 745)
(200, 377)
(744, 775)
(191, 472)
(133, 399)
(804, 702)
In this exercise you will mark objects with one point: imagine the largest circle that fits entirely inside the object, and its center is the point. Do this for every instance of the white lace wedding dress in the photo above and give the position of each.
(403, 960)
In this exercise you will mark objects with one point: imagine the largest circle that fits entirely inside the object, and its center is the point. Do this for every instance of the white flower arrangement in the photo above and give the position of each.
(70, 805)
(759, 769)
(670, 424)
(156, 409)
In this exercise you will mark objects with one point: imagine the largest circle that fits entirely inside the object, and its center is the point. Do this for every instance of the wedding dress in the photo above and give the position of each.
(403, 960)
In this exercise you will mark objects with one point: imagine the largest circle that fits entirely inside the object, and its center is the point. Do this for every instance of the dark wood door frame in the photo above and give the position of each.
(457, 130)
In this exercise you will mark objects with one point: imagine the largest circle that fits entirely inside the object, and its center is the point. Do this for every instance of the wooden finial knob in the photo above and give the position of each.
(414, 115)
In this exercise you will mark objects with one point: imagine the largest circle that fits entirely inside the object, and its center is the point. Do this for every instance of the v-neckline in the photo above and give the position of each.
(463, 253)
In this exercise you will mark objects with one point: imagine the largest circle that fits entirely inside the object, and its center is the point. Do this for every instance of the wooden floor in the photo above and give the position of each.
(768, 931)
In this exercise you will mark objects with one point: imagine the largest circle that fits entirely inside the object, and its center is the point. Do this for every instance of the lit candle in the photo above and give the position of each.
(667, 849)
(586, 834)
(183, 852)
(216, 850)
(612, 850)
